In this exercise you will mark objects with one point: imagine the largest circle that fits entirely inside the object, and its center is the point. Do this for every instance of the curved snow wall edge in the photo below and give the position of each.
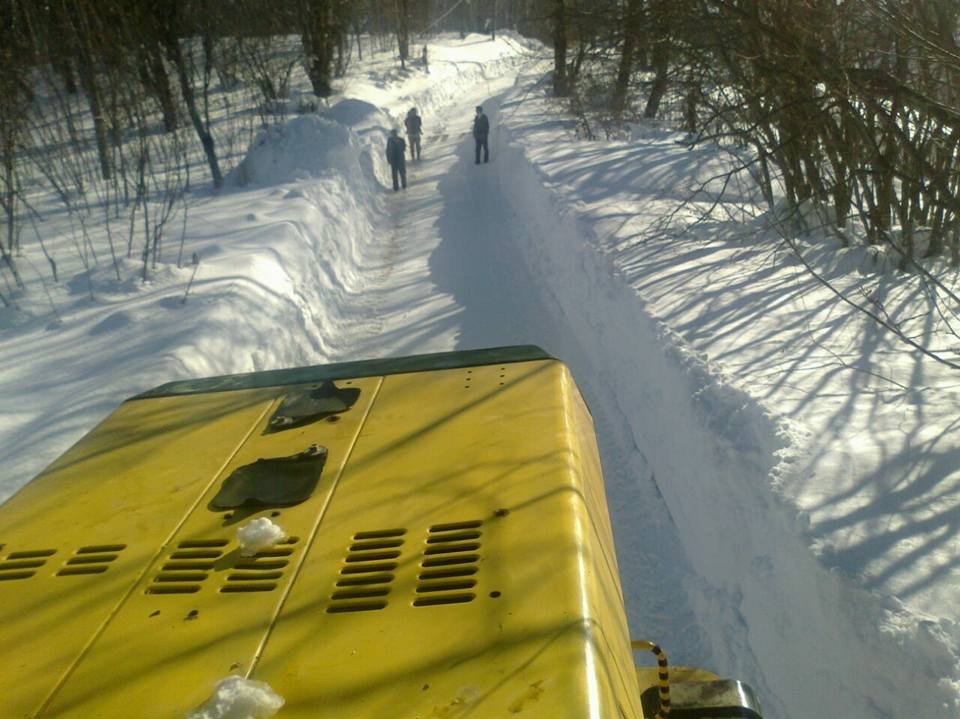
(807, 638)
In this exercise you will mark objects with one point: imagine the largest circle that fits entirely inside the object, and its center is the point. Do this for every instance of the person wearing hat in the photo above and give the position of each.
(397, 157)
(481, 129)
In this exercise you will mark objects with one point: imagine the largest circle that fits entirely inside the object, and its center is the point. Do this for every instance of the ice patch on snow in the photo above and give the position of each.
(259, 534)
(239, 698)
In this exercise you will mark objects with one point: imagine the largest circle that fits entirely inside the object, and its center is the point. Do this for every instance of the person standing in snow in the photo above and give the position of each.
(481, 129)
(397, 157)
(414, 126)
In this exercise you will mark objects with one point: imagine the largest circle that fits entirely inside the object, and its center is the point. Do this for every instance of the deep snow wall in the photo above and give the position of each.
(282, 262)
(807, 639)
(285, 252)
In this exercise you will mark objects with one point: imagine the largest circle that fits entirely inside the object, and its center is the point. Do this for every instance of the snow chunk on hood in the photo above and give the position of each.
(239, 698)
(259, 534)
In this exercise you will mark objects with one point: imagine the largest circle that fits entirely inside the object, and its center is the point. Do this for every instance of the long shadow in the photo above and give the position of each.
(892, 523)
(482, 263)
(478, 261)
(880, 413)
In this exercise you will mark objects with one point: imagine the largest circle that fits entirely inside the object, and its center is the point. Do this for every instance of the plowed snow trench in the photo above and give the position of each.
(459, 262)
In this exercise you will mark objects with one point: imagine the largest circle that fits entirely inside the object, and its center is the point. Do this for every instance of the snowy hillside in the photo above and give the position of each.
(784, 479)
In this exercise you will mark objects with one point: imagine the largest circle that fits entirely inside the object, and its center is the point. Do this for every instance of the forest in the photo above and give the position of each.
(737, 222)
(844, 113)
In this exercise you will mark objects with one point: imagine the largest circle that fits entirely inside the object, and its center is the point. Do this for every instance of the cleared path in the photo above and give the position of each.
(454, 276)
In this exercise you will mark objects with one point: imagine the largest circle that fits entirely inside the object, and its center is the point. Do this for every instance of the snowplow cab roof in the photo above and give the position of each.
(447, 549)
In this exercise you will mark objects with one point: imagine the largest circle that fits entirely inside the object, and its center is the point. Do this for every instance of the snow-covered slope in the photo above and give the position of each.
(813, 639)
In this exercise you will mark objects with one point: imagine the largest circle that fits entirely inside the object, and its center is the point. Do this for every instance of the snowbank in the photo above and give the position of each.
(303, 148)
(773, 615)
(281, 265)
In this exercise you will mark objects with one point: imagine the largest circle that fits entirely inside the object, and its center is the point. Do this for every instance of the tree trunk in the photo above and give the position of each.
(10, 210)
(176, 57)
(691, 102)
(155, 78)
(403, 30)
(661, 66)
(89, 83)
(315, 34)
(631, 34)
(65, 71)
(560, 85)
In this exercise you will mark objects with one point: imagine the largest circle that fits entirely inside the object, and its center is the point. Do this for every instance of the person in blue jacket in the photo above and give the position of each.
(397, 157)
(481, 129)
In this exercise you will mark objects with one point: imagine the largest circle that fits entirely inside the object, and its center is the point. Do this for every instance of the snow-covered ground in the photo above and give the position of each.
(783, 477)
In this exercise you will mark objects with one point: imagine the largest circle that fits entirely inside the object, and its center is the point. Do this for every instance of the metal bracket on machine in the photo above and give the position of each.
(705, 700)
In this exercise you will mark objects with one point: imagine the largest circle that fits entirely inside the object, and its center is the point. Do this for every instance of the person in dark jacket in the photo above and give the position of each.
(481, 129)
(397, 157)
(414, 125)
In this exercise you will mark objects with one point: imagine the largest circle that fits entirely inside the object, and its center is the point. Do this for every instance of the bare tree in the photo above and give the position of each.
(81, 25)
(661, 50)
(318, 29)
(632, 25)
(268, 64)
(168, 18)
(403, 30)
(17, 95)
(559, 19)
